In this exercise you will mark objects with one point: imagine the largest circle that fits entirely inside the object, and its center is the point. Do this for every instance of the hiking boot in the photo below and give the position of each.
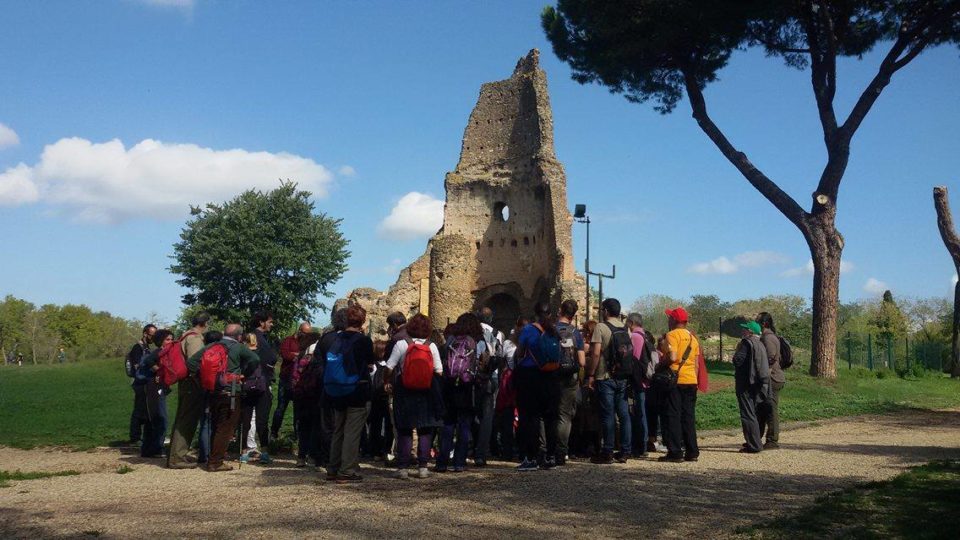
(181, 465)
(265, 459)
(670, 459)
(223, 467)
(349, 478)
(771, 445)
(301, 462)
(423, 472)
(527, 465)
(603, 458)
(401, 474)
(620, 457)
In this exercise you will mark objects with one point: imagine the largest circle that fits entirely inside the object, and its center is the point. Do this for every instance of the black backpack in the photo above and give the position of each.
(621, 364)
(131, 362)
(568, 350)
(786, 353)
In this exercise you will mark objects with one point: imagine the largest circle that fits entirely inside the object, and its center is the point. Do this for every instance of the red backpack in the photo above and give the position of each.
(417, 370)
(307, 376)
(172, 365)
(213, 368)
(507, 396)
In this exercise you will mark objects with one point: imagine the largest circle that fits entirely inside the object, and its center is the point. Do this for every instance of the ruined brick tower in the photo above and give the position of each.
(506, 236)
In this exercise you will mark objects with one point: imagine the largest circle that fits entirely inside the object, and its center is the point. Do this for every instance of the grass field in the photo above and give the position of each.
(88, 404)
(921, 503)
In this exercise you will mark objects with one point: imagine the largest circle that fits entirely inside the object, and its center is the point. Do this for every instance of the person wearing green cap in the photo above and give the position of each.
(752, 378)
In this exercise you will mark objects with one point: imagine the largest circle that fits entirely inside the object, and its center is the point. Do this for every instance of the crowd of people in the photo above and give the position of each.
(546, 393)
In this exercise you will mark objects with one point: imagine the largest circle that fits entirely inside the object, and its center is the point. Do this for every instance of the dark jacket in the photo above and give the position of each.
(363, 356)
(267, 354)
(752, 369)
(240, 359)
(772, 343)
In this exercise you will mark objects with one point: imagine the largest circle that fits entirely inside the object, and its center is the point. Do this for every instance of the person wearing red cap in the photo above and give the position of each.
(678, 403)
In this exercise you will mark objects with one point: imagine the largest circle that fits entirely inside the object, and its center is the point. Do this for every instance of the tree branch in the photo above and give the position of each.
(945, 223)
(823, 72)
(770, 190)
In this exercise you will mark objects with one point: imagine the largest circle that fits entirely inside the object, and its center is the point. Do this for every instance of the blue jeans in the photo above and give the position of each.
(203, 445)
(639, 414)
(613, 401)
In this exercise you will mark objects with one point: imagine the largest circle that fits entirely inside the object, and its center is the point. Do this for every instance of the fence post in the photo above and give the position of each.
(849, 352)
(870, 352)
(720, 330)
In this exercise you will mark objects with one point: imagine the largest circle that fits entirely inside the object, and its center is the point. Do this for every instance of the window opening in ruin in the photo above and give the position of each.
(513, 243)
(526, 240)
(502, 211)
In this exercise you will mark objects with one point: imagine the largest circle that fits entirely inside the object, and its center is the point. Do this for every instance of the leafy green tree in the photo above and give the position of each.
(705, 312)
(260, 250)
(662, 49)
(652, 308)
(13, 328)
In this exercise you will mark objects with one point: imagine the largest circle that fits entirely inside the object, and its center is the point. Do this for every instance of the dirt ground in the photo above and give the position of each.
(707, 499)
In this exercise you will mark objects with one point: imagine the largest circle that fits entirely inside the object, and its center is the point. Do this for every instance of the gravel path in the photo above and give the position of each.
(707, 499)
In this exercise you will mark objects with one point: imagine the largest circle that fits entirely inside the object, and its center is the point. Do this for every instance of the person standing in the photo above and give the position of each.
(752, 380)
(347, 392)
(224, 403)
(611, 388)
(487, 387)
(569, 382)
(638, 414)
(261, 403)
(769, 413)
(155, 397)
(290, 350)
(538, 398)
(418, 409)
(191, 399)
(138, 417)
(678, 402)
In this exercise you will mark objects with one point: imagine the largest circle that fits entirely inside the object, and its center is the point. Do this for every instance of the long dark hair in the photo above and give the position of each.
(468, 324)
(765, 320)
(545, 317)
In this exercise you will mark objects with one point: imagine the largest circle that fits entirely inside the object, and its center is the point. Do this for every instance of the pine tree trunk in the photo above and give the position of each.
(826, 248)
(952, 242)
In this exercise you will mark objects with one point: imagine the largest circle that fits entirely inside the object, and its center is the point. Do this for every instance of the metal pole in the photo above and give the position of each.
(870, 351)
(889, 352)
(849, 352)
(600, 292)
(720, 331)
(587, 264)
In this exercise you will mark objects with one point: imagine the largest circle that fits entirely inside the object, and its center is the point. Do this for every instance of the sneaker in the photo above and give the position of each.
(401, 474)
(528, 465)
(423, 472)
(244, 458)
(560, 461)
(439, 469)
(301, 463)
(651, 447)
(620, 457)
(658, 447)
(602, 458)
(311, 462)
(265, 459)
(771, 445)
(223, 467)
(331, 476)
(639, 455)
(670, 459)
(691, 458)
(181, 465)
(748, 450)
(549, 462)
(349, 478)
(253, 454)
(480, 462)
(458, 468)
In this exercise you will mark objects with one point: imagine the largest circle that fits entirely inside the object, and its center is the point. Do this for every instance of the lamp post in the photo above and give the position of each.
(580, 215)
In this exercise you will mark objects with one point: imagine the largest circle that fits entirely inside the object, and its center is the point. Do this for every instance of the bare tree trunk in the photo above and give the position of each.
(826, 249)
(950, 239)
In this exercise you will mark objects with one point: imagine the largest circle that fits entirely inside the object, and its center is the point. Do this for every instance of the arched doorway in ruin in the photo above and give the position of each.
(506, 309)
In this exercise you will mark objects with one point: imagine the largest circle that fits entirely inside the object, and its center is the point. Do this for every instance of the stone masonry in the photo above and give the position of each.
(506, 236)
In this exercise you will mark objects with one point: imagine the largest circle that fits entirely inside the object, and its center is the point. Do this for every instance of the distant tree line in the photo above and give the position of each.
(38, 332)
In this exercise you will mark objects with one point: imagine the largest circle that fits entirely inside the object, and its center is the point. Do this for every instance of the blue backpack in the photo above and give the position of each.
(340, 376)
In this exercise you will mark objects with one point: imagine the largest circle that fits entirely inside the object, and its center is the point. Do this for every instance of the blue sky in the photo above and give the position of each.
(120, 113)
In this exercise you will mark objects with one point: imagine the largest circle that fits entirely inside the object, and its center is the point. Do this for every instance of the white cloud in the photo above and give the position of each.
(416, 215)
(749, 259)
(875, 287)
(8, 137)
(807, 269)
(107, 182)
(347, 171)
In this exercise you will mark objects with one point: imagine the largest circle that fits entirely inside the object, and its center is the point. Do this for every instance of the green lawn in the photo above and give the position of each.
(88, 404)
(921, 503)
(856, 391)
